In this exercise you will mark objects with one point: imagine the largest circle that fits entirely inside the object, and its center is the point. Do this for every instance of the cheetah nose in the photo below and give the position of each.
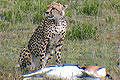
(47, 12)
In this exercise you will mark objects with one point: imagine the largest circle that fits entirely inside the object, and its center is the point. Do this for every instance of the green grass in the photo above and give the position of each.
(93, 32)
(81, 32)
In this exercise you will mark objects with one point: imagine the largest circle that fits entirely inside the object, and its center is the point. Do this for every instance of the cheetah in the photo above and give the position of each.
(46, 40)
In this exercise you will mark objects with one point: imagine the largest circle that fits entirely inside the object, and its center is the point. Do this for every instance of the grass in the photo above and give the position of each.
(81, 31)
(93, 32)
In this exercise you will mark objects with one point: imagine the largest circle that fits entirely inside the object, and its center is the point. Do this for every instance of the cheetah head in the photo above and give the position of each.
(55, 11)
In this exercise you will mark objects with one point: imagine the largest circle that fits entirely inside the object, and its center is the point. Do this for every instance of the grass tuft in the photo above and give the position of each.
(4, 25)
(81, 32)
(89, 8)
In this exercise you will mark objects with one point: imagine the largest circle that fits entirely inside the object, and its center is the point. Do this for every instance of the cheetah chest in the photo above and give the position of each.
(58, 33)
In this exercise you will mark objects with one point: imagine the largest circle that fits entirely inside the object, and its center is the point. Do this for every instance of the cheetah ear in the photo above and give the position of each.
(64, 7)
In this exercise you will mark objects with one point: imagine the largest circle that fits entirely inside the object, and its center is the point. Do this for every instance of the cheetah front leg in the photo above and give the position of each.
(58, 51)
(48, 56)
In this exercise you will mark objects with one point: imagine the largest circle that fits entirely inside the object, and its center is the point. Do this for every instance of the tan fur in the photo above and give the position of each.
(92, 68)
(58, 12)
(58, 6)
